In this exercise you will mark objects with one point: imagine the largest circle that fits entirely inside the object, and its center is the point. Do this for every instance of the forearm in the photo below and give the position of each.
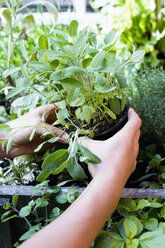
(80, 223)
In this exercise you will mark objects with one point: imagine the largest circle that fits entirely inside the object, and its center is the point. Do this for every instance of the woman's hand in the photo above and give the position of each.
(118, 154)
(39, 118)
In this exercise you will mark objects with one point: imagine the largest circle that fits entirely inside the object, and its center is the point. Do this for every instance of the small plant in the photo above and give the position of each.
(88, 83)
(135, 224)
(148, 101)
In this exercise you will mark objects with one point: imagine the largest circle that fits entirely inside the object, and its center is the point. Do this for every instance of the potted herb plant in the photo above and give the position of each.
(86, 79)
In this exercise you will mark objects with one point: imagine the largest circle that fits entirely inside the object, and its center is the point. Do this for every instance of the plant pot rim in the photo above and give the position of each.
(110, 132)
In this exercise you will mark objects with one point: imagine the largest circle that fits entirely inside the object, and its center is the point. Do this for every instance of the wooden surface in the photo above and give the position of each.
(7, 191)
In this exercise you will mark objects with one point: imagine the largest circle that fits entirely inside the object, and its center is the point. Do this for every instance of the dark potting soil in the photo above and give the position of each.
(101, 126)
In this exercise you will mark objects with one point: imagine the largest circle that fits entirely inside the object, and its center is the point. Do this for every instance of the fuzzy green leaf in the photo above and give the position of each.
(43, 42)
(115, 105)
(73, 28)
(55, 161)
(14, 200)
(87, 153)
(25, 211)
(66, 73)
(109, 240)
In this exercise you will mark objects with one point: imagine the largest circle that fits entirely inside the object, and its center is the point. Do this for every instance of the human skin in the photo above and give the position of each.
(39, 118)
(79, 225)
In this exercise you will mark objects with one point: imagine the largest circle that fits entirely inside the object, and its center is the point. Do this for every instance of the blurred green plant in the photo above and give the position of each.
(147, 93)
(142, 226)
(141, 22)
(14, 18)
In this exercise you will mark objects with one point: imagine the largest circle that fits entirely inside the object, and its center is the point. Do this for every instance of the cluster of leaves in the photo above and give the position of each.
(142, 23)
(21, 170)
(17, 27)
(155, 169)
(140, 223)
(39, 211)
(148, 101)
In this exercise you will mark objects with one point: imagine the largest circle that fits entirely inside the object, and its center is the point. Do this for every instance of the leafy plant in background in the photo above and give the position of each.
(155, 167)
(136, 223)
(140, 224)
(142, 23)
(87, 83)
(14, 19)
(148, 100)
(39, 211)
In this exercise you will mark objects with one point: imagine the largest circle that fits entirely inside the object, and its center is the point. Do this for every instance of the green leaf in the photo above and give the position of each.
(74, 98)
(21, 84)
(6, 205)
(66, 73)
(75, 170)
(137, 223)
(130, 228)
(23, 50)
(109, 240)
(3, 216)
(53, 64)
(61, 198)
(73, 28)
(7, 73)
(110, 113)
(28, 234)
(106, 66)
(134, 243)
(43, 42)
(87, 113)
(55, 161)
(110, 37)
(155, 161)
(86, 62)
(121, 80)
(29, 22)
(40, 146)
(142, 204)
(115, 105)
(4, 128)
(151, 224)
(9, 144)
(14, 200)
(25, 211)
(9, 218)
(87, 153)
(42, 176)
(71, 82)
(7, 15)
(98, 58)
(153, 239)
(105, 89)
(80, 44)
(32, 134)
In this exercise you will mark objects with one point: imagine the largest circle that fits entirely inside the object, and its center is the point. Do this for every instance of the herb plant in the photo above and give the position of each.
(86, 81)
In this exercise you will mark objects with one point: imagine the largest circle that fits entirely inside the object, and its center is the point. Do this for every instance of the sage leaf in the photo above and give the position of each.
(55, 160)
(14, 200)
(25, 211)
(43, 42)
(73, 28)
(87, 153)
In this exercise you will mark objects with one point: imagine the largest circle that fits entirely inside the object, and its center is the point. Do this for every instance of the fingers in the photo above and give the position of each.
(58, 132)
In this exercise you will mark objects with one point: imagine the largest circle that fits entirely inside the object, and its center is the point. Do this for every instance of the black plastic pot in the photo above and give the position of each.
(109, 133)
